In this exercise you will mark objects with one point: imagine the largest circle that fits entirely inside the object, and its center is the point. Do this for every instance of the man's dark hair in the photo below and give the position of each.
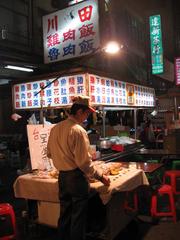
(75, 107)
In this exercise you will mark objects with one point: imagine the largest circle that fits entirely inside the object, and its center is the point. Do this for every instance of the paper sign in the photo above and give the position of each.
(38, 137)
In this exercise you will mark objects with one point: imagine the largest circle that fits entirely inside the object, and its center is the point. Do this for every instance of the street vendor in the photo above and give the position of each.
(69, 148)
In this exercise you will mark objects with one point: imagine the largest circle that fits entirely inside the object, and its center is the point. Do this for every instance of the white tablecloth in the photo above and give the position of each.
(127, 180)
(29, 186)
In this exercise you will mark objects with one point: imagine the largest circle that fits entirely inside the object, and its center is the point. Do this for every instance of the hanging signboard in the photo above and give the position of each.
(106, 91)
(156, 44)
(38, 137)
(59, 93)
(101, 90)
(177, 70)
(71, 32)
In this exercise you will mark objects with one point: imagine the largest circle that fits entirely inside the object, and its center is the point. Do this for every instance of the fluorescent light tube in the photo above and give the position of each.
(19, 68)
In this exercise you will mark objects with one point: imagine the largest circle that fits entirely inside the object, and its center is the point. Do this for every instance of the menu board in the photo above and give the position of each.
(38, 137)
(107, 91)
(144, 96)
(101, 90)
(59, 93)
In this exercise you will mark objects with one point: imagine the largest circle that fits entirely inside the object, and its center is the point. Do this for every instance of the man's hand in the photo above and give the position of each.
(105, 180)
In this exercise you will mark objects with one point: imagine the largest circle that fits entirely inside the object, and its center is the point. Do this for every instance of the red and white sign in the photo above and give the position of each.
(101, 90)
(71, 32)
(177, 70)
(59, 93)
(107, 91)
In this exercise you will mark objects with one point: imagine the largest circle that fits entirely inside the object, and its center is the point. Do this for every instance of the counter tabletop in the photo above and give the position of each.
(160, 152)
(146, 167)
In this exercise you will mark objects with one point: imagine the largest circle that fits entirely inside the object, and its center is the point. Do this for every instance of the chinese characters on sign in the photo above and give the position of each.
(38, 137)
(105, 91)
(59, 93)
(177, 70)
(71, 32)
(156, 44)
(102, 91)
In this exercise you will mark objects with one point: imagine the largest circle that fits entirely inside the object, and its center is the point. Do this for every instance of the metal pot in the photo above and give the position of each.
(105, 144)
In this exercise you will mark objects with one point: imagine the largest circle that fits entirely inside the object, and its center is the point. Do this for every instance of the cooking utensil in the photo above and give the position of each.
(105, 144)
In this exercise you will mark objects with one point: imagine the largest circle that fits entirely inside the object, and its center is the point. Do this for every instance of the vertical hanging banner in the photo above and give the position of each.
(71, 32)
(156, 44)
(177, 70)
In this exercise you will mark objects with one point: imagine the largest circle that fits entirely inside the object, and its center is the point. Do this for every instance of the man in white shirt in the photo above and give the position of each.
(69, 148)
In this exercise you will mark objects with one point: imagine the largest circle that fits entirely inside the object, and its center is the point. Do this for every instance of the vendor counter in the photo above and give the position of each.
(163, 155)
(45, 192)
(129, 151)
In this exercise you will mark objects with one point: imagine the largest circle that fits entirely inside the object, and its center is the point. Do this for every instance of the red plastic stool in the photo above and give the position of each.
(172, 175)
(162, 191)
(7, 217)
(131, 195)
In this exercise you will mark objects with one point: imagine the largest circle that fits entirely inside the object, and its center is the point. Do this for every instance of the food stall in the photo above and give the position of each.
(106, 94)
(57, 92)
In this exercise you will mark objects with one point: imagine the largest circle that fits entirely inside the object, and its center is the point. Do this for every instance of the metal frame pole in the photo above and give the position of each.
(104, 122)
(135, 123)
